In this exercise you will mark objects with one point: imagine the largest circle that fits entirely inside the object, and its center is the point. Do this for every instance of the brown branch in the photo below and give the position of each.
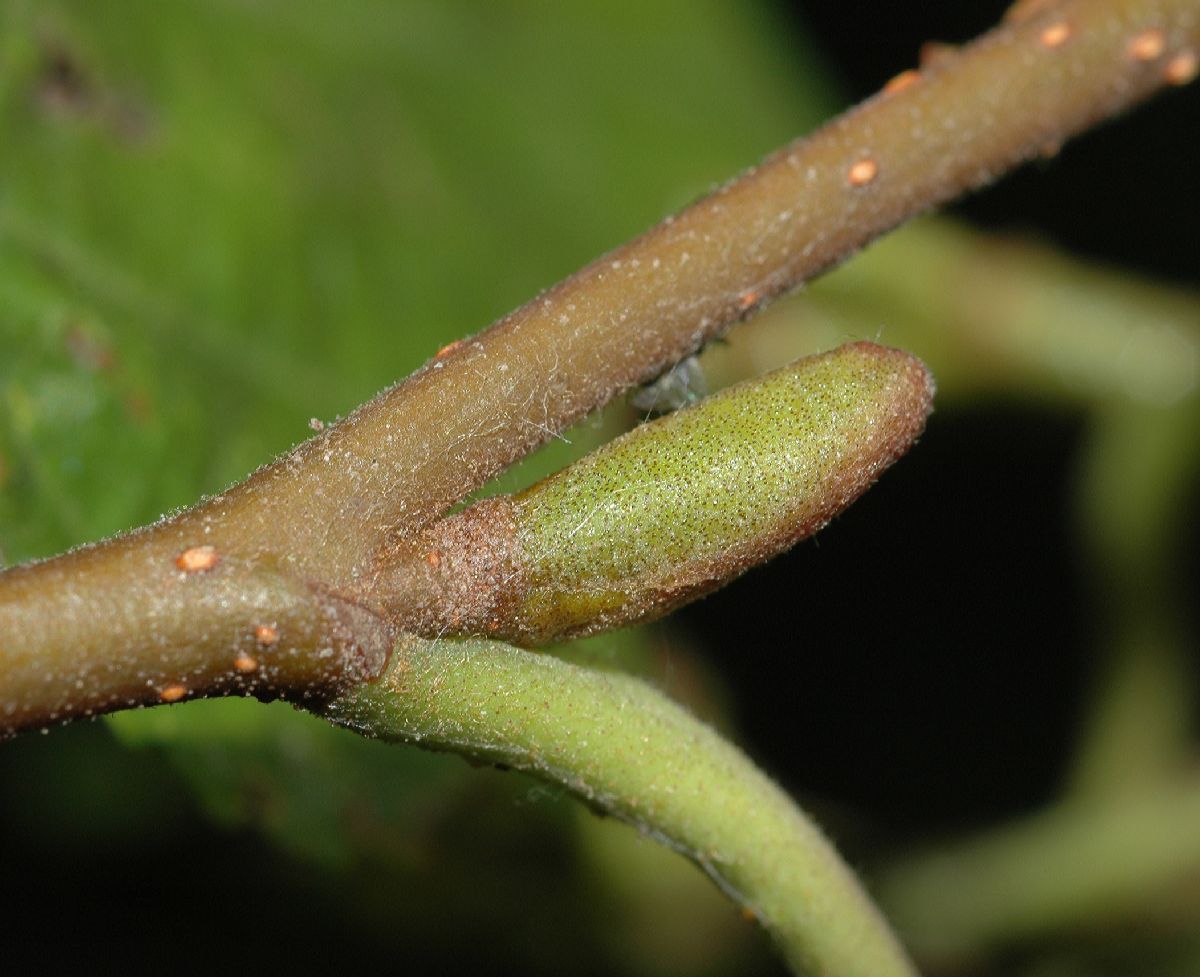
(318, 515)
(137, 622)
(1017, 92)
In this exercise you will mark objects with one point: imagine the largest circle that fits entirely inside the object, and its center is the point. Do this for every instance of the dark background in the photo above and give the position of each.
(954, 614)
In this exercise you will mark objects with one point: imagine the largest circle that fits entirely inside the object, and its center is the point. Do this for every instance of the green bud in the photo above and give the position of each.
(673, 509)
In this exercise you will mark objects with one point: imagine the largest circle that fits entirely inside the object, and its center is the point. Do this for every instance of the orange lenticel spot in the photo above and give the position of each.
(906, 79)
(433, 558)
(1055, 35)
(747, 300)
(197, 559)
(245, 664)
(173, 692)
(1182, 68)
(448, 348)
(1148, 45)
(863, 172)
(266, 634)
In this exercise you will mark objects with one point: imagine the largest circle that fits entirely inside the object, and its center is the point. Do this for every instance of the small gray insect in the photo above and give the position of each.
(681, 385)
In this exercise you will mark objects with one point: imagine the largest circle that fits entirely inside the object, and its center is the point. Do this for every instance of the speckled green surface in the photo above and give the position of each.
(684, 503)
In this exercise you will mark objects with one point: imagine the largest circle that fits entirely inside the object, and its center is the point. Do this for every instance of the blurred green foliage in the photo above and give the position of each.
(220, 219)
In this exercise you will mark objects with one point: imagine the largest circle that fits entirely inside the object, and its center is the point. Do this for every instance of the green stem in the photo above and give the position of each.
(630, 752)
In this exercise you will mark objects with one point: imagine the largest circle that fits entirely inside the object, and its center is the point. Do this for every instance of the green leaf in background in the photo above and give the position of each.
(220, 219)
